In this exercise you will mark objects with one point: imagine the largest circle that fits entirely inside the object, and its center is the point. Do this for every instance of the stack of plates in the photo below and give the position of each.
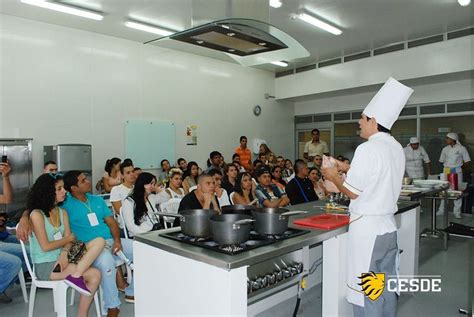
(428, 183)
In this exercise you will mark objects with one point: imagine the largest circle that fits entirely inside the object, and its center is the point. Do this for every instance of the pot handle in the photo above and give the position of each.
(236, 225)
(291, 213)
(181, 217)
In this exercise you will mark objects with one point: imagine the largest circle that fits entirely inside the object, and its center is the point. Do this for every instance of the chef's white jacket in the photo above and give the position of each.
(414, 161)
(454, 156)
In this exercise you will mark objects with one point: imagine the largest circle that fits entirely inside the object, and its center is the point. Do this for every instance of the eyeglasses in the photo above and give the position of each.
(55, 175)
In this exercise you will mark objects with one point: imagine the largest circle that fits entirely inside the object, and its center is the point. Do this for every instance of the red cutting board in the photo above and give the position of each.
(324, 221)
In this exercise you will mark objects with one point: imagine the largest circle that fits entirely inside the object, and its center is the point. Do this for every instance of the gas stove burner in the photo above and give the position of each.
(255, 241)
(232, 248)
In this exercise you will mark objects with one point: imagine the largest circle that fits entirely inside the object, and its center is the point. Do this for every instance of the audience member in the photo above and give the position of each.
(317, 181)
(203, 197)
(182, 164)
(174, 189)
(228, 182)
(90, 218)
(245, 155)
(137, 171)
(300, 188)
(120, 192)
(163, 177)
(288, 172)
(280, 161)
(277, 179)
(50, 167)
(244, 193)
(221, 193)
(268, 194)
(190, 176)
(318, 163)
(112, 176)
(315, 147)
(52, 240)
(215, 160)
(140, 206)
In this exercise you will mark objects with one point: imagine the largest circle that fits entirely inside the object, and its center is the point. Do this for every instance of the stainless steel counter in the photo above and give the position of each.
(257, 255)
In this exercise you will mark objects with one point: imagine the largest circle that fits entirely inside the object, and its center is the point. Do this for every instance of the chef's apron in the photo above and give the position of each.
(363, 230)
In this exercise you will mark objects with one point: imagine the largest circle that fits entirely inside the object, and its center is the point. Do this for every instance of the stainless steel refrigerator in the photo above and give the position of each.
(70, 157)
(18, 152)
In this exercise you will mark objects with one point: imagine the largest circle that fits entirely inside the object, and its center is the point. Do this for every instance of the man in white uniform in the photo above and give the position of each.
(415, 156)
(373, 183)
(453, 156)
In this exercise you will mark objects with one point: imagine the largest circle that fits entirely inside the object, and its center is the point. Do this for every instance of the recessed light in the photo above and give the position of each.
(199, 42)
(65, 9)
(262, 43)
(230, 34)
(231, 50)
(148, 28)
(275, 3)
(464, 3)
(280, 63)
(318, 23)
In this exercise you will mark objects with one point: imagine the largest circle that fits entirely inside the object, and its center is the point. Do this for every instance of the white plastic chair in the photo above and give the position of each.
(125, 232)
(192, 188)
(170, 206)
(231, 197)
(59, 291)
(21, 278)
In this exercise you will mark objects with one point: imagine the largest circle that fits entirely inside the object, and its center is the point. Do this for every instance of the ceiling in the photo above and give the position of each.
(366, 24)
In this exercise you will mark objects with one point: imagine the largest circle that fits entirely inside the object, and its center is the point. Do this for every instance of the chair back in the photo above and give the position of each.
(27, 261)
(171, 207)
(231, 197)
(192, 188)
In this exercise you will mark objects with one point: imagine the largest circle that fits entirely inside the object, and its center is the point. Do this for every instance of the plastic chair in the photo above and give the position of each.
(125, 231)
(59, 291)
(170, 206)
(192, 188)
(21, 278)
(231, 197)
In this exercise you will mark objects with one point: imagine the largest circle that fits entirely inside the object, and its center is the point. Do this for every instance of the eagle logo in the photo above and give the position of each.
(372, 284)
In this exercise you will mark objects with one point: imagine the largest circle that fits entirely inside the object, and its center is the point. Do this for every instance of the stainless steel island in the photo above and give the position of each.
(174, 278)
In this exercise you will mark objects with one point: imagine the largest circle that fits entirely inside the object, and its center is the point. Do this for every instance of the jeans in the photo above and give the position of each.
(12, 246)
(9, 267)
(106, 263)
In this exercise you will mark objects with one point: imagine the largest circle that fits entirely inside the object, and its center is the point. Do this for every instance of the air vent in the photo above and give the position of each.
(408, 112)
(342, 116)
(304, 119)
(330, 62)
(460, 33)
(388, 49)
(461, 107)
(356, 56)
(284, 73)
(356, 115)
(426, 40)
(322, 117)
(432, 109)
(305, 68)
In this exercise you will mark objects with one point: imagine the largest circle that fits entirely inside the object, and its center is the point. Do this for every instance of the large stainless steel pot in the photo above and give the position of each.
(238, 209)
(272, 220)
(230, 229)
(194, 222)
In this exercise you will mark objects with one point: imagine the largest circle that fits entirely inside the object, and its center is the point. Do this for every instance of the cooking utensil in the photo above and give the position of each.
(230, 229)
(194, 222)
(238, 209)
(272, 221)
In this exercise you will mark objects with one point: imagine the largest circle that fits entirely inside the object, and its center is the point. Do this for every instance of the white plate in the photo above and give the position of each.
(428, 183)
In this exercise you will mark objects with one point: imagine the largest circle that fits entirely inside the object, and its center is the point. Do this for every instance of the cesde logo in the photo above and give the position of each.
(373, 284)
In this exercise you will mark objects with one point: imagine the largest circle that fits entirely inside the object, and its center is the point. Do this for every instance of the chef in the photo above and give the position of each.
(373, 183)
(453, 156)
(415, 156)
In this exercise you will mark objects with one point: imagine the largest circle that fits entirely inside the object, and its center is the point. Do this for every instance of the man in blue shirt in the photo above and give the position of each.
(89, 218)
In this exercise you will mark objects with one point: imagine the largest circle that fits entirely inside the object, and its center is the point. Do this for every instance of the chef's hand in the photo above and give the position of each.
(330, 173)
(116, 247)
(5, 169)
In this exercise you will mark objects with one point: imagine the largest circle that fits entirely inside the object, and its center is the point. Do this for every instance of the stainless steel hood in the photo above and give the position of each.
(242, 41)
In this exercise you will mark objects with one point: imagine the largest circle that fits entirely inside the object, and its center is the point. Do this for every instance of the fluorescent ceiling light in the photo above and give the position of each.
(464, 3)
(281, 64)
(275, 3)
(318, 23)
(65, 9)
(148, 28)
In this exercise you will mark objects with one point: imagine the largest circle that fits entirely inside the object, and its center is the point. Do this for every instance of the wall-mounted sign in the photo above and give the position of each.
(191, 135)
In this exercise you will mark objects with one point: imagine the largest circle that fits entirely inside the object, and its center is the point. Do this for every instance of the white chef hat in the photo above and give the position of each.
(453, 136)
(414, 140)
(387, 104)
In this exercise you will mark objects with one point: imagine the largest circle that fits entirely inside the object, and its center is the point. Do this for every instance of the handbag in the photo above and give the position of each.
(76, 252)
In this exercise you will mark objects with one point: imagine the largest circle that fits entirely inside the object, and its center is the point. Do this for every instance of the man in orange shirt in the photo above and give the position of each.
(244, 153)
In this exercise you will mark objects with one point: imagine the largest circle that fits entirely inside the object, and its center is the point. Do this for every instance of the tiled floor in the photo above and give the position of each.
(452, 265)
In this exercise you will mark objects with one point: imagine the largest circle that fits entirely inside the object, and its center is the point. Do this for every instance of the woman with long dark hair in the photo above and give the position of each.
(277, 178)
(52, 240)
(112, 176)
(190, 176)
(244, 190)
(138, 209)
(230, 178)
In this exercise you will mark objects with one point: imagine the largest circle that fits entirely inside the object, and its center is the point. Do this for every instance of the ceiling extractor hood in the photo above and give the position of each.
(243, 41)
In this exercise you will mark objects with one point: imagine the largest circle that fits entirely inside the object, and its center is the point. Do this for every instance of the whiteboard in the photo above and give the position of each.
(149, 142)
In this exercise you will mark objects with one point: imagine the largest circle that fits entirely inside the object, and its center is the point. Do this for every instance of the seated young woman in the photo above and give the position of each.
(174, 189)
(112, 176)
(244, 191)
(318, 184)
(277, 178)
(52, 240)
(139, 208)
(190, 176)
